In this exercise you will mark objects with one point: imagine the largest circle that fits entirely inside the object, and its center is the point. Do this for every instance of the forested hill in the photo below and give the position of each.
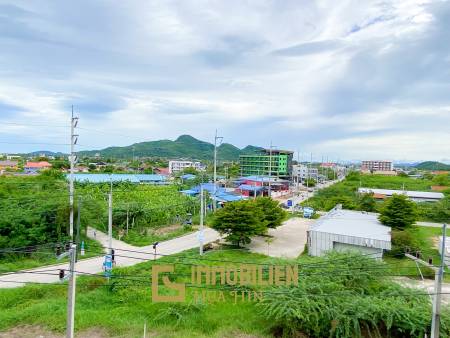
(432, 165)
(184, 146)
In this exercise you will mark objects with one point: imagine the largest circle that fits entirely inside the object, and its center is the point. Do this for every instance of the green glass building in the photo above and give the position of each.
(259, 164)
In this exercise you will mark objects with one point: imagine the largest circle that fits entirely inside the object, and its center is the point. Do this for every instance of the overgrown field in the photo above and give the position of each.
(337, 296)
(346, 193)
(35, 210)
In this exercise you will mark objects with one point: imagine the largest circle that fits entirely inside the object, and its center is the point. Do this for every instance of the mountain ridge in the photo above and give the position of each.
(185, 146)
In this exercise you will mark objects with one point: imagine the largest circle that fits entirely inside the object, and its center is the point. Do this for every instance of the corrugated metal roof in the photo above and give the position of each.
(227, 197)
(409, 193)
(106, 178)
(353, 223)
(250, 187)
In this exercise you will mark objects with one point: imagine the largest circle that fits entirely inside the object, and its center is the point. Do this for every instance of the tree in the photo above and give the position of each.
(346, 202)
(239, 221)
(398, 212)
(310, 182)
(441, 179)
(367, 202)
(441, 210)
(273, 215)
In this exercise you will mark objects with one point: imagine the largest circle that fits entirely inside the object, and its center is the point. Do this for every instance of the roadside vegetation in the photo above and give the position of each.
(35, 211)
(346, 193)
(341, 295)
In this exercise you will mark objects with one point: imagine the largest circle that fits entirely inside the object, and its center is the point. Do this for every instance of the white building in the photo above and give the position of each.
(416, 196)
(300, 172)
(377, 166)
(346, 230)
(177, 166)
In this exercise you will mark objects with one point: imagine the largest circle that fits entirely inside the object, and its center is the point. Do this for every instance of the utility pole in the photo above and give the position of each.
(128, 212)
(438, 275)
(216, 138)
(71, 293)
(73, 142)
(110, 218)
(270, 169)
(77, 238)
(201, 220)
(435, 324)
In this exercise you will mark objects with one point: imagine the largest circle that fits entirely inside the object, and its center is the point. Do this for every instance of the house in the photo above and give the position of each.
(221, 197)
(34, 167)
(177, 166)
(8, 164)
(416, 196)
(259, 185)
(347, 230)
(161, 171)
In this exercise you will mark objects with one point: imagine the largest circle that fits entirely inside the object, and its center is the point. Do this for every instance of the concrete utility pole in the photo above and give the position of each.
(71, 293)
(110, 218)
(77, 238)
(435, 323)
(438, 275)
(73, 142)
(128, 212)
(216, 138)
(270, 169)
(201, 220)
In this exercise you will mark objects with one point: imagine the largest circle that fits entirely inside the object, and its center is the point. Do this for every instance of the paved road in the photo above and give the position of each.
(288, 239)
(94, 265)
(429, 224)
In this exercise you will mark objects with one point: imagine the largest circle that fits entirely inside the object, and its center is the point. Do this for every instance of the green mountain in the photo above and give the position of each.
(432, 165)
(184, 146)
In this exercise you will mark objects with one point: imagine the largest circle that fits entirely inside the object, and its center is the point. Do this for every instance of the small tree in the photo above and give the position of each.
(310, 182)
(367, 202)
(239, 221)
(398, 212)
(272, 214)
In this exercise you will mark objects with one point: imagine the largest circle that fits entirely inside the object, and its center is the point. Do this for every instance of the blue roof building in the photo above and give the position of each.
(107, 178)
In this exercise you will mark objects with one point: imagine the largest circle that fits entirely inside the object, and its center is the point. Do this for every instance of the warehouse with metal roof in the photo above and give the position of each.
(348, 230)
(416, 196)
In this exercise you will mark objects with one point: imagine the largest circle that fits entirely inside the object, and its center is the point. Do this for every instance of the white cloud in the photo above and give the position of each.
(321, 76)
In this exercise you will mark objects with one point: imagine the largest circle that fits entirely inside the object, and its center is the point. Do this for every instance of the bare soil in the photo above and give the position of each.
(34, 331)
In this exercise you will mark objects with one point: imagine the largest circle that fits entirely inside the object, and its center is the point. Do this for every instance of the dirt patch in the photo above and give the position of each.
(34, 331)
(435, 241)
(166, 230)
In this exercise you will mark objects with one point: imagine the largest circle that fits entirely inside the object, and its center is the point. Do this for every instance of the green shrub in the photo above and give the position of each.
(352, 299)
(402, 241)
(398, 212)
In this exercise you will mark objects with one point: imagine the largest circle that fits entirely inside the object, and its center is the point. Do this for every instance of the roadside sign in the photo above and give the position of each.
(201, 236)
(107, 265)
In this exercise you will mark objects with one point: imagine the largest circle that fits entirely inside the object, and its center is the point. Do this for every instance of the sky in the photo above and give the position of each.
(344, 80)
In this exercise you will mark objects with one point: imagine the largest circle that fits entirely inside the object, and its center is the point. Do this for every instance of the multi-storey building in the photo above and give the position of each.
(377, 166)
(177, 166)
(268, 162)
(301, 172)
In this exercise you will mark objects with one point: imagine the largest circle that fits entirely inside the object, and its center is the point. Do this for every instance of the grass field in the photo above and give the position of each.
(166, 233)
(123, 306)
(427, 239)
